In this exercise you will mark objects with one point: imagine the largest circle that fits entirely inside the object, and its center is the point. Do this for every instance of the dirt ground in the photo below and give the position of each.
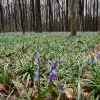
(94, 51)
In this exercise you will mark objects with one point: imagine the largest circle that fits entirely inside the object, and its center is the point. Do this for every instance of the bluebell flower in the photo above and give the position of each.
(38, 69)
(61, 86)
(98, 56)
(61, 89)
(53, 65)
(91, 62)
(36, 78)
(53, 75)
(52, 71)
(37, 58)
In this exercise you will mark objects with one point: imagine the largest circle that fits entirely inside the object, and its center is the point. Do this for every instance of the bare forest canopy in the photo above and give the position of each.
(48, 15)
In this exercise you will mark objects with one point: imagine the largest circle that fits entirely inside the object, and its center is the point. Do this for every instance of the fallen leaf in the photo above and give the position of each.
(71, 99)
(94, 51)
(14, 97)
(30, 84)
(68, 92)
(14, 76)
(19, 87)
(86, 91)
(2, 88)
(86, 73)
(85, 94)
(31, 92)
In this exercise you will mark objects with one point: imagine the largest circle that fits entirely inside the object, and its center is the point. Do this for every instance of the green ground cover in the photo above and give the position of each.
(79, 73)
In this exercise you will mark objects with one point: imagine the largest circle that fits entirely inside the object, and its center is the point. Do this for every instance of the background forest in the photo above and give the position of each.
(48, 15)
(62, 63)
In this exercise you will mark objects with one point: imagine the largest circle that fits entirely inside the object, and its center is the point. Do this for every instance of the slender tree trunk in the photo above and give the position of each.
(2, 18)
(59, 22)
(73, 18)
(22, 17)
(62, 25)
(66, 17)
(50, 16)
(46, 15)
(9, 17)
(86, 17)
(33, 15)
(90, 17)
(6, 21)
(94, 16)
(81, 13)
(38, 17)
(15, 15)
(26, 19)
(97, 15)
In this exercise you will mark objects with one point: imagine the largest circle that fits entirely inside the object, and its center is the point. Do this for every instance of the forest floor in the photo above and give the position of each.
(50, 66)
(95, 51)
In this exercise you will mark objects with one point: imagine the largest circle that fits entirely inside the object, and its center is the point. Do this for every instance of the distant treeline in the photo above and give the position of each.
(48, 15)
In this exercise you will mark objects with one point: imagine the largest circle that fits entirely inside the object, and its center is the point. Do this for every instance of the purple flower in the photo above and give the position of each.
(61, 89)
(36, 78)
(53, 75)
(38, 69)
(91, 62)
(53, 65)
(61, 86)
(98, 56)
(37, 58)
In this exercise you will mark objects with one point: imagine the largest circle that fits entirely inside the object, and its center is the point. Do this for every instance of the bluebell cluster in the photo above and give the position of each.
(91, 62)
(37, 59)
(98, 56)
(61, 89)
(53, 73)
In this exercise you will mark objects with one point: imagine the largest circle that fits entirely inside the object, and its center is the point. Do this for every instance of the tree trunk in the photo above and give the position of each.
(73, 18)
(38, 17)
(46, 27)
(15, 15)
(33, 15)
(97, 15)
(50, 16)
(81, 13)
(9, 17)
(22, 16)
(66, 19)
(94, 16)
(86, 17)
(2, 19)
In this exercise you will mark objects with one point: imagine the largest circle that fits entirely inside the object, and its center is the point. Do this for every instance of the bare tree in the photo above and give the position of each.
(66, 18)
(94, 15)
(1, 17)
(73, 18)
(50, 16)
(86, 16)
(9, 15)
(22, 15)
(38, 17)
(15, 14)
(81, 13)
(97, 8)
(32, 15)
